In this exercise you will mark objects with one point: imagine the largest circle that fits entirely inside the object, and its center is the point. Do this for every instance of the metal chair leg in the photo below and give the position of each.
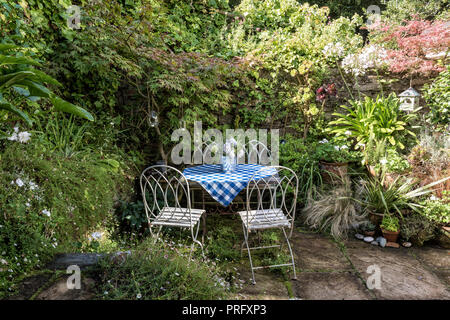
(156, 237)
(292, 256)
(201, 247)
(242, 247)
(249, 254)
(190, 253)
(195, 241)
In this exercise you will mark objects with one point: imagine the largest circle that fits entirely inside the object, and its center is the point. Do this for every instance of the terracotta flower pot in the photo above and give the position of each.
(333, 172)
(390, 236)
(369, 233)
(375, 218)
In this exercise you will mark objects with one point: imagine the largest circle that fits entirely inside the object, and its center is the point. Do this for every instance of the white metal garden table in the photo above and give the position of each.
(224, 187)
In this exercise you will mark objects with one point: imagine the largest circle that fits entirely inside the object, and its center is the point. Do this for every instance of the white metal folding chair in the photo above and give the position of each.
(167, 202)
(274, 208)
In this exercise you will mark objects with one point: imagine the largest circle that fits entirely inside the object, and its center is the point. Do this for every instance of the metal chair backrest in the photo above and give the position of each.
(208, 151)
(165, 187)
(278, 191)
(257, 153)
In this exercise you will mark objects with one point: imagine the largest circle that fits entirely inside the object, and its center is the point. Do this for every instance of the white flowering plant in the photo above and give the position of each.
(20, 136)
(392, 161)
(336, 150)
(371, 57)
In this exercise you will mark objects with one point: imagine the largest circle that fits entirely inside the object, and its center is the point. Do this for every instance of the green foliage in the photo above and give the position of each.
(336, 150)
(374, 119)
(390, 223)
(392, 161)
(223, 244)
(347, 8)
(159, 271)
(437, 96)
(399, 10)
(437, 210)
(133, 214)
(416, 229)
(294, 154)
(398, 195)
(295, 63)
(19, 80)
(48, 203)
(62, 134)
(369, 226)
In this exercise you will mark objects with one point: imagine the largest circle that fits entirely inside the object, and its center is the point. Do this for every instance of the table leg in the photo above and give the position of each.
(204, 231)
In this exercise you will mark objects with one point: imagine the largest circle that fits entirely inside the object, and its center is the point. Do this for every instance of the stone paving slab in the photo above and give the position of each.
(59, 291)
(268, 286)
(402, 275)
(313, 252)
(62, 261)
(436, 258)
(329, 286)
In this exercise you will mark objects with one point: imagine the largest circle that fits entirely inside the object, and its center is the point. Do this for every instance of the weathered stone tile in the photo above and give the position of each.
(329, 286)
(314, 252)
(402, 275)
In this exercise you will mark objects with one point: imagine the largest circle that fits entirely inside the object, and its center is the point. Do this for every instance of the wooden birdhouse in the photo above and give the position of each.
(409, 100)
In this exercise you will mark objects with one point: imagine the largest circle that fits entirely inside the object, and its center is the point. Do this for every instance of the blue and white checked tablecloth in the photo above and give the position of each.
(224, 187)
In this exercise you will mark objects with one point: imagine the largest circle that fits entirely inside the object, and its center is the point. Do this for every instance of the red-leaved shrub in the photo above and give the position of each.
(412, 45)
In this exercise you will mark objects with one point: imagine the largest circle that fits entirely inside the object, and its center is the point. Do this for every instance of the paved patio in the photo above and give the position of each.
(336, 271)
(325, 270)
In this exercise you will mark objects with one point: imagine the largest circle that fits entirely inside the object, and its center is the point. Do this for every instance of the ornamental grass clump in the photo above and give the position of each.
(336, 211)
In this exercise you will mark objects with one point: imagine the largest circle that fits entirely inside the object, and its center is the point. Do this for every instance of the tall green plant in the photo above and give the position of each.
(19, 80)
(374, 119)
(391, 199)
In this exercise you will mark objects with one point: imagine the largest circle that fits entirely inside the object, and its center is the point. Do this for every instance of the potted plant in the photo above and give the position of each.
(380, 199)
(369, 229)
(390, 227)
(334, 157)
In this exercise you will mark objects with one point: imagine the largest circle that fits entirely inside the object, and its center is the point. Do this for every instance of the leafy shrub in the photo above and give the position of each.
(425, 225)
(437, 210)
(19, 80)
(416, 229)
(159, 271)
(336, 150)
(374, 119)
(399, 10)
(295, 65)
(223, 244)
(437, 96)
(409, 44)
(48, 203)
(390, 223)
(295, 154)
(133, 214)
(392, 161)
(430, 160)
